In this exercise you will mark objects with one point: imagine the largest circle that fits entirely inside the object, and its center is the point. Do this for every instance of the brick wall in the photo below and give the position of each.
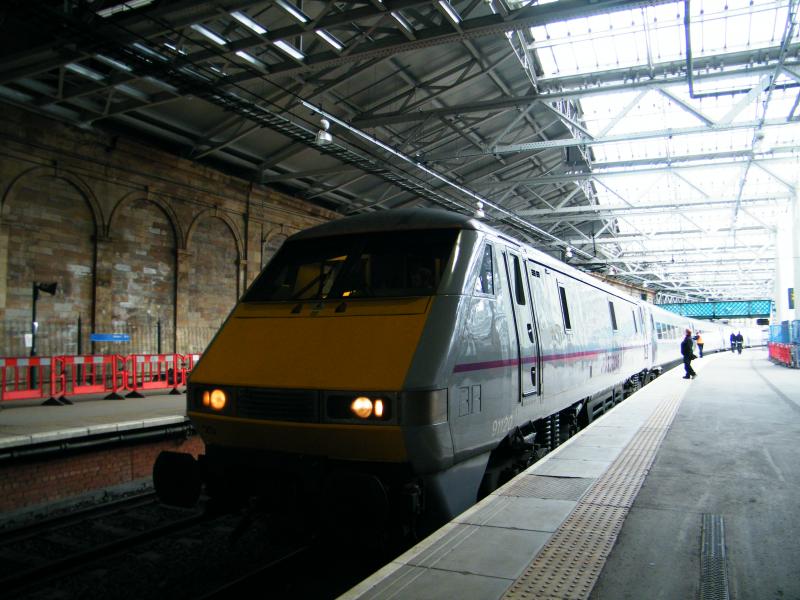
(133, 236)
(39, 482)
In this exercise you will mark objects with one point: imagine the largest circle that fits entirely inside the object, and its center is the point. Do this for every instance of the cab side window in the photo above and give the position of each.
(613, 314)
(562, 294)
(484, 284)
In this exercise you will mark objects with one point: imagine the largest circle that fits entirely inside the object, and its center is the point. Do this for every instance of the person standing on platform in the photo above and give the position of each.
(688, 355)
(739, 341)
(733, 342)
(699, 339)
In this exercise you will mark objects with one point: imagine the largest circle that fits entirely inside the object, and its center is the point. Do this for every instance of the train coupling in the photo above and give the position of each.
(177, 478)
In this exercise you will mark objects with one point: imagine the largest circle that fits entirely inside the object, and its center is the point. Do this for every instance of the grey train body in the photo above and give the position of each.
(512, 352)
(517, 338)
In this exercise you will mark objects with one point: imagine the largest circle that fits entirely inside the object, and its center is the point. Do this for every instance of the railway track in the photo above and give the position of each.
(44, 551)
(139, 548)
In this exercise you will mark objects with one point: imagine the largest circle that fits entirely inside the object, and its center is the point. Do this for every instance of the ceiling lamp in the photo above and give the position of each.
(249, 23)
(450, 12)
(323, 135)
(293, 10)
(212, 35)
(337, 45)
(290, 50)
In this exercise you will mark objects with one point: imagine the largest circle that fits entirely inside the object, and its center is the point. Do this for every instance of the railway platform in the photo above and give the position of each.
(58, 456)
(28, 425)
(686, 489)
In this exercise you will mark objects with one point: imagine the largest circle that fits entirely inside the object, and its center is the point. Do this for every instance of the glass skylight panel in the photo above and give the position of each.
(211, 35)
(783, 136)
(584, 45)
(547, 58)
(667, 34)
(622, 38)
(782, 101)
(248, 22)
(729, 27)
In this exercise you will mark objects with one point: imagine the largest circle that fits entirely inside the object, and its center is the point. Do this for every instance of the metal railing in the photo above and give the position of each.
(74, 337)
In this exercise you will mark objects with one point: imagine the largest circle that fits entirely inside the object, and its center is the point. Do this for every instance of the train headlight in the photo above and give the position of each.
(359, 408)
(362, 407)
(215, 399)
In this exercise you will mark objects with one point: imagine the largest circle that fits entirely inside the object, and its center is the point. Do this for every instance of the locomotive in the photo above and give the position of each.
(399, 365)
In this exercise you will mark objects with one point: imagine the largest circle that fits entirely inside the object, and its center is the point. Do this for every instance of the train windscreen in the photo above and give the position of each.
(379, 265)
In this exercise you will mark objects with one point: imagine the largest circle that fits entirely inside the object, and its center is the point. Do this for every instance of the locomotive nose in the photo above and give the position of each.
(365, 345)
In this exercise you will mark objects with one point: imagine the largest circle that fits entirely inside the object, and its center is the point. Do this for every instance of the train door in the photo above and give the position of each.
(527, 337)
(644, 335)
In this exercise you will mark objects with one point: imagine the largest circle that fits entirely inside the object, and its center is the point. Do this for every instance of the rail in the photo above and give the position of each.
(57, 378)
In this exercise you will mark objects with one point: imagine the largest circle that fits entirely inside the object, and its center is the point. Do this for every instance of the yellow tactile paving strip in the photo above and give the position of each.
(569, 564)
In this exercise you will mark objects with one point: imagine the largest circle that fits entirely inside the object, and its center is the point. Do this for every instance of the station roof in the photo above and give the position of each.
(656, 142)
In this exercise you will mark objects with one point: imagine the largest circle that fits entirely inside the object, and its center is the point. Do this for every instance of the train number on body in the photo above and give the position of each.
(502, 425)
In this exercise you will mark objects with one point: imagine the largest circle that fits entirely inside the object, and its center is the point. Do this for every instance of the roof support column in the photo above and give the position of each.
(787, 265)
(796, 253)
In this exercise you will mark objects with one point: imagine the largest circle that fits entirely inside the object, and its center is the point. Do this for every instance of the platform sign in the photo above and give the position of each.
(110, 337)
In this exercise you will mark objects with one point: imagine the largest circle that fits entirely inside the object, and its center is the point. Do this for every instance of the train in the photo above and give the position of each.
(397, 366)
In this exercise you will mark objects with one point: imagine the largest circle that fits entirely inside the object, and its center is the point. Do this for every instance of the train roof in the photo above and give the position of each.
(394, 220)
(428, 218)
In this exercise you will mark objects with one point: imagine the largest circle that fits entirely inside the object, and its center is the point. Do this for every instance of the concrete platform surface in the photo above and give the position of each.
(23, 424)
(732, 451)
(573, 526)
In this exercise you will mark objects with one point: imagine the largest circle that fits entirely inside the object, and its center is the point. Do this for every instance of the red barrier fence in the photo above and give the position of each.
(25, 378)
(59, 377)
(781, 353)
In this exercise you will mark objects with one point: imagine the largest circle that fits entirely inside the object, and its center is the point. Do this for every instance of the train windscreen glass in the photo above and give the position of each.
(377, 265)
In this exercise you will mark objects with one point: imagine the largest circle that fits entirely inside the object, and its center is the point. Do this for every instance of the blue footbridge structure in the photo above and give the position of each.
(784, 337)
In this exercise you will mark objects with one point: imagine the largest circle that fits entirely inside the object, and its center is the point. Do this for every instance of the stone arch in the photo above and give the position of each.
(217, 214)
(166, 208)
(213, 274)
(139, 258)
(76, 182)
(49, 221)
(270, 242)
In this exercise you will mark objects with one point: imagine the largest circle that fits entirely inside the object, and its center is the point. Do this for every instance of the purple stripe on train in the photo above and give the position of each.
(513, 362)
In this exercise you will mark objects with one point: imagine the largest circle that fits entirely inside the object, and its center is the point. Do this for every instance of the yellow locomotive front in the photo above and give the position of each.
(304, 389)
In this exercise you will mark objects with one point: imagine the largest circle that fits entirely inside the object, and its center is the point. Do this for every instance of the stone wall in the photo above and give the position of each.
(138, 240)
